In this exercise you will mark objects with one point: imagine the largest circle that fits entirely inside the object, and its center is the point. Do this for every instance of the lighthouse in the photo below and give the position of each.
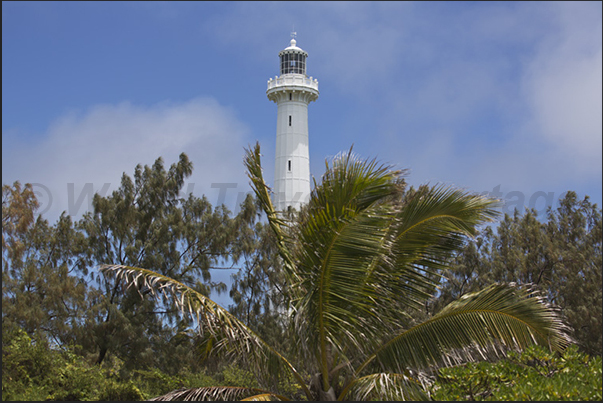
(292, 91)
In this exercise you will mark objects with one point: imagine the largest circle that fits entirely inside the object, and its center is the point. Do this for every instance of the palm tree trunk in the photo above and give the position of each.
(328, 396)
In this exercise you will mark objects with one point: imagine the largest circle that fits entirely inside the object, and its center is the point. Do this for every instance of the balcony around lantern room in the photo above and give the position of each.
(293, 80)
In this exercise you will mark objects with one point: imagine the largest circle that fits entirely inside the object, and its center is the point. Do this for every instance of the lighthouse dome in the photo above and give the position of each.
(293, 46)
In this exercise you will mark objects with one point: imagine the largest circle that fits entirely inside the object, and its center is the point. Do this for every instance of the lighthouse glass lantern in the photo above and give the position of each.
(293, 62)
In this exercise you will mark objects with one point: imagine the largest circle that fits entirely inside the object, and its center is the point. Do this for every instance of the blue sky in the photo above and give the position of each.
(496, 97)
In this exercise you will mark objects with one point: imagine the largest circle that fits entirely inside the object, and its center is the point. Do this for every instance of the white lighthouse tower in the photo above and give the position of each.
(292, 91)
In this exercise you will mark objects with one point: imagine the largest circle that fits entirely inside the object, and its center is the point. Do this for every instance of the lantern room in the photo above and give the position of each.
(293, 60)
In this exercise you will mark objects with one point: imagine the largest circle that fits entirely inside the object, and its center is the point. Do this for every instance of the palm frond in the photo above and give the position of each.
(253, 164)
(338, 235)
(233, 337)
(502, 316)
(218, 393)
(352, 184)
(432, 223)
(384, 387)
(445, 208)
(333, 308)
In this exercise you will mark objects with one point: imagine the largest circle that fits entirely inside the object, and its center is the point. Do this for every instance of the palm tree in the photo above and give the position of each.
(357, 258)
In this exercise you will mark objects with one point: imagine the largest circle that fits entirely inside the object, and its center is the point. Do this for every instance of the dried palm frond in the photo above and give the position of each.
(218, 393)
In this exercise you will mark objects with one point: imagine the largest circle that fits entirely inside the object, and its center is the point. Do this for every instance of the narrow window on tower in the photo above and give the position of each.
(289, 120)
(289, 165)
(290, 96)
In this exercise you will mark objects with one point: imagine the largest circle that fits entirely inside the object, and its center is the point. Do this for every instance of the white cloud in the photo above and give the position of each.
(563, 85)
(95, 147)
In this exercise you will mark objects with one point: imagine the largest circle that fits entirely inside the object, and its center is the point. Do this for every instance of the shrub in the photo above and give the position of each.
(535, 374)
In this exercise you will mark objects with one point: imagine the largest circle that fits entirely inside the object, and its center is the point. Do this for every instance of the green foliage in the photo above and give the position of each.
(198, 379)
(113, 390)
(33, 371)
(74, 381)
(535, 374)
(42, 289)
(235, 376)
(155, 383)
(24, 366)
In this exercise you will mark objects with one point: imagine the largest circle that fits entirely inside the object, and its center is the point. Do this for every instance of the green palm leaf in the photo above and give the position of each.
(253, 164)
(502, 316)
(430, 224)
(333, 307)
